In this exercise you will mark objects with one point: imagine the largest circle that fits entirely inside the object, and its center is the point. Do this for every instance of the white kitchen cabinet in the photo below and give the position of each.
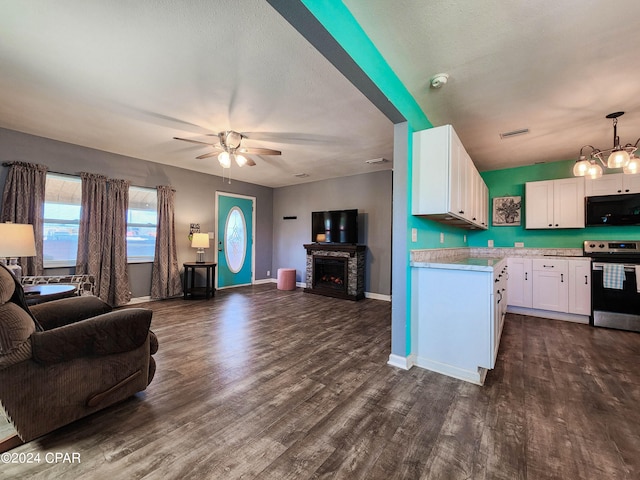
(612, 184)
(454, 337)
(520, 284)
(550, 284)
(555, 203)
(445, 180)
(580, 286)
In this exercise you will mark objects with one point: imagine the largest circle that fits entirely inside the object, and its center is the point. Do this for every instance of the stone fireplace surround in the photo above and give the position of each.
(354, 256)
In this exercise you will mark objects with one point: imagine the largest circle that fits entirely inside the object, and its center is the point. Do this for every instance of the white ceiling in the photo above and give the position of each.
(126, 77)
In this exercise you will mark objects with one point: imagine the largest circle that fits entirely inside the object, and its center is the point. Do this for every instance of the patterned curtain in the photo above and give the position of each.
(165, 276)
(102, 237)
(23, 202)
(114, 277)
(93, 209)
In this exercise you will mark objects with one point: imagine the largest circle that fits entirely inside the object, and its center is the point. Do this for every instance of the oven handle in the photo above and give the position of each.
(598, 266)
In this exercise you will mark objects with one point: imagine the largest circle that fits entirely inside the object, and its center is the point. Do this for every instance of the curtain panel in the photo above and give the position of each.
(102, 236)
(23, 202)
(165, 275)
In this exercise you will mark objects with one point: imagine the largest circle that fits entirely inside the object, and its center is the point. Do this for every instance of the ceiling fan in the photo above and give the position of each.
(230, 148)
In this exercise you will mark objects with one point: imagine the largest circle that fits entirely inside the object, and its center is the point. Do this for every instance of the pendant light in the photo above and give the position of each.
(617, 157)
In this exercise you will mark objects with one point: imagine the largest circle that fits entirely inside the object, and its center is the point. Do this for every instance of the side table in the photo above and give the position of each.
(35, 294)
(188, 284)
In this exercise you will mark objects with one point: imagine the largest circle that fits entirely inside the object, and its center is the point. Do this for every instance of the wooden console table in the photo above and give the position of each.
(188, 284)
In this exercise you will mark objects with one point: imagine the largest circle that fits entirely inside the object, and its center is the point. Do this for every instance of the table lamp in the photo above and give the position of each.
(16, 240)
(200, 241)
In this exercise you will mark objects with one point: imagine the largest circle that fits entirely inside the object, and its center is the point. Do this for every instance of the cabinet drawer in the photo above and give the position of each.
(550, 264)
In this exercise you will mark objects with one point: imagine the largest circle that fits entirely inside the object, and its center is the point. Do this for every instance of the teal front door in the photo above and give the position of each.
(235, 239)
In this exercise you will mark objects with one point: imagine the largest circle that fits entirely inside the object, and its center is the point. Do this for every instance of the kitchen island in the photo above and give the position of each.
(458, 313)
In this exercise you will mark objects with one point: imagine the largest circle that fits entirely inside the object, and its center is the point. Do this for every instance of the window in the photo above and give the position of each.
(142, 222)
(63, 194)
(61, 220)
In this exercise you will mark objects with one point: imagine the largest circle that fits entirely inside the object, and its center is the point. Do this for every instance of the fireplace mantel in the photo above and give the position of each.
(352, 249)
(354, 258)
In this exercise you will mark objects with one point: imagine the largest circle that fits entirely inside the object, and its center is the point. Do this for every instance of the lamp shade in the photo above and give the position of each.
(17, 240)
(618, 159)
(200, 240)
(224, 159)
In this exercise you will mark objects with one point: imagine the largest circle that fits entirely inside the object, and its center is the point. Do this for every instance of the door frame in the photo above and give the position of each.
(253, 234)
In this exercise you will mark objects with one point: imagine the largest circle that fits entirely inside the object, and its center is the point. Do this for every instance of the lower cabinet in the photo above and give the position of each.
(459, 316)
(552, 284)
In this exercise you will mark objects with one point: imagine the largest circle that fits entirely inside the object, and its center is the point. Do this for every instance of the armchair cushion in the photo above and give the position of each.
(114, 332)
(16, 326)
(68, 310)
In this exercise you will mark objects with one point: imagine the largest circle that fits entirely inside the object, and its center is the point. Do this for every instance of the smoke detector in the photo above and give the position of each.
(438, 80)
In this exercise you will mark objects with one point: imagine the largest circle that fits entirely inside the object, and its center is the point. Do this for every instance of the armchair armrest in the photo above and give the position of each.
(68, 310)
(114, 332)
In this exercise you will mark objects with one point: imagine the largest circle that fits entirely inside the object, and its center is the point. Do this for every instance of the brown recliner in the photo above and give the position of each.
(65, 359)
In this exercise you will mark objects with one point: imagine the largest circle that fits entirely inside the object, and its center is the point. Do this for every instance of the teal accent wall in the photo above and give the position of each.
(509, 182)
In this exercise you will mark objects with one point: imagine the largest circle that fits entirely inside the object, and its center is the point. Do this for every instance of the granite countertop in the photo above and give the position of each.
(478, 264)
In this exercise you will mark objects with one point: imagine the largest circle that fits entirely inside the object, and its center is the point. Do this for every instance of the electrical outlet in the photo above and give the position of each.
(268, 273)
(441, 237)
(518, 244)
(490, 244)
(464, 238)
(414, 234)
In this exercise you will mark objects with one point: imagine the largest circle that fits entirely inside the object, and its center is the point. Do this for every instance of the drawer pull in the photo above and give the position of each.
(548, 266)
(585, 280)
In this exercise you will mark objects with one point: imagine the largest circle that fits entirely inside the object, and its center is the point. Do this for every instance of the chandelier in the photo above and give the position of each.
(616, 157)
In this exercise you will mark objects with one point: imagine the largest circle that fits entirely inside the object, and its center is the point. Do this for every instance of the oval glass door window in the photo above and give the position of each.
(235, 239)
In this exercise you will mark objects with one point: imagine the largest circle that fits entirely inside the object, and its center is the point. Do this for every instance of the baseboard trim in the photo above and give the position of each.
(144, 299)
(476, 377)
(264, 280)
(377, 296)
(405, 363)
(534, 312)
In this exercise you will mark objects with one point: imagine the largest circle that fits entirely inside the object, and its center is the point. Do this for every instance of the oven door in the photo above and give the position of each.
(615, 308)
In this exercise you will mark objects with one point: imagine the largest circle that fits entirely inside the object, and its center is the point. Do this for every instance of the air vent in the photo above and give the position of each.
(301, 175)
(514, 133)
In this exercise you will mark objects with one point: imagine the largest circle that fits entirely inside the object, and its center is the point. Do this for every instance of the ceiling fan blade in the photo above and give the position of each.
(207, 155)
(259, 151)
(250, 163)
(196, 141)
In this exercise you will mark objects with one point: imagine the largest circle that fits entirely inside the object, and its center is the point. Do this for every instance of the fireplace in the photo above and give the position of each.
(330, 273)
(336, 270)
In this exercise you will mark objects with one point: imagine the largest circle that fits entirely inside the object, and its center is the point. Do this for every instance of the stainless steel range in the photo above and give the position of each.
(615, 283)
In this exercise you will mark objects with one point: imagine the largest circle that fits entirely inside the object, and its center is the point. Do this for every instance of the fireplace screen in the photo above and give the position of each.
(330, 273)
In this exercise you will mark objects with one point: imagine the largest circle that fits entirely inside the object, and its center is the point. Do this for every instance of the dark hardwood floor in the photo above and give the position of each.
(269, 384)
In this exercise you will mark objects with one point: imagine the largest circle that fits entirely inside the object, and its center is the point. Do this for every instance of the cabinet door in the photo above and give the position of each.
(520, 282)
(484, 209)
(568, 203)
(457, 177)
(580, 287)
(605, 185)
(631, 183)
(539, 204)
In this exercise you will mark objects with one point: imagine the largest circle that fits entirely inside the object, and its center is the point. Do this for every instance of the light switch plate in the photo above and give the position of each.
(441, 237)
(414, 234)
(490, 244)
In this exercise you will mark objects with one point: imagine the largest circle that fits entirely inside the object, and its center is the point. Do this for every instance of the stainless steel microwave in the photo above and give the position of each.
(613, 210)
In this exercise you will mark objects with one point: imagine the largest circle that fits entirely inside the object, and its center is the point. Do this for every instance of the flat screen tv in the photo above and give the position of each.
(336, 226)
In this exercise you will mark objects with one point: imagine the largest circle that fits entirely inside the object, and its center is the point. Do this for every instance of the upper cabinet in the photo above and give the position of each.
(613, 184)
(555, 203)
(446, 184)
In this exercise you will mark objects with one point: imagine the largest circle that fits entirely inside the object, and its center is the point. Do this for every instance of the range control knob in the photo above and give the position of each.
(601, 245)
(592, 245)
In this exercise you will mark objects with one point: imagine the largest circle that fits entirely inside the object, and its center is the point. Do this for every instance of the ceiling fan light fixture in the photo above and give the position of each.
(224, 159)
(232, 139)
(241, 160)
